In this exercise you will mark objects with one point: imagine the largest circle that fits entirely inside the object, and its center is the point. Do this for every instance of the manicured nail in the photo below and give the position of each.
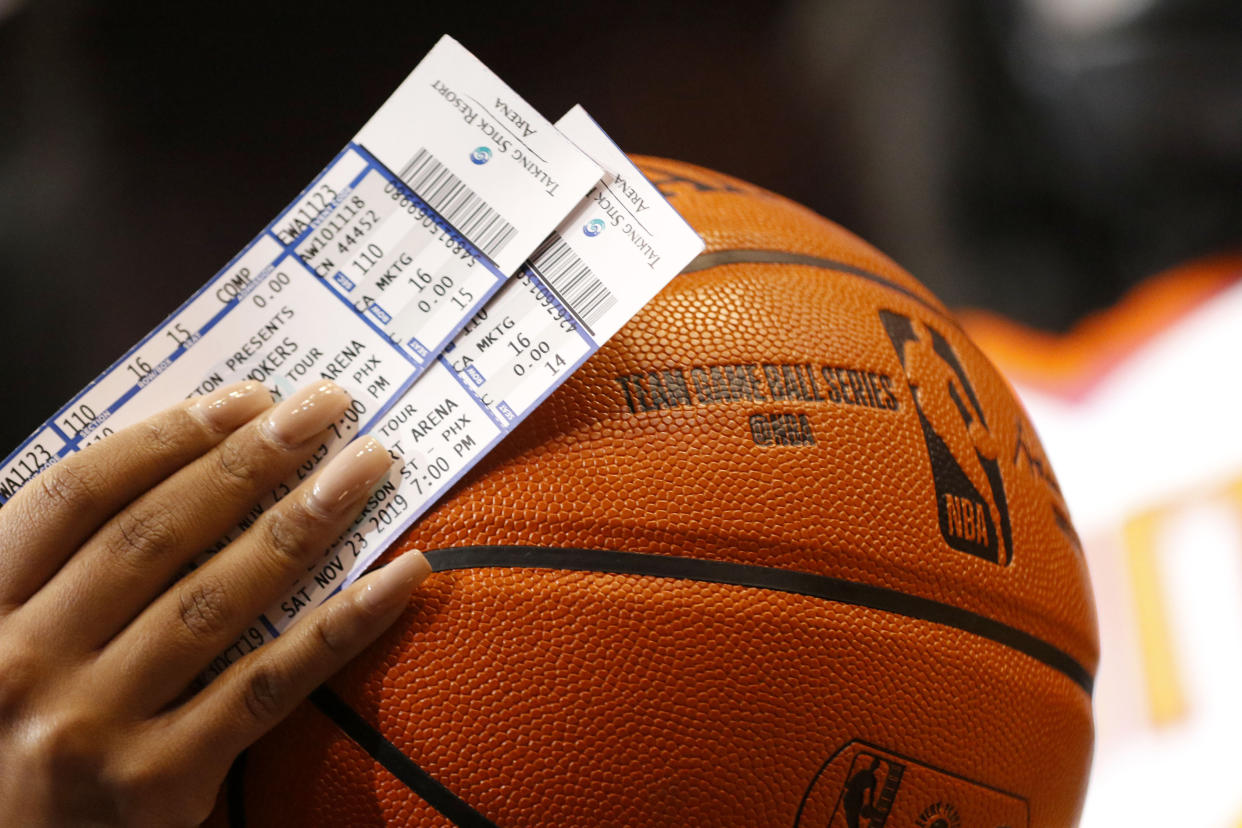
(232, 405)
(306, 413)
(351, 473)
(395, 581)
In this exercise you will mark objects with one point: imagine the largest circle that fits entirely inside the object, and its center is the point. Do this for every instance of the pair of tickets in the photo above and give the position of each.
(449, 268)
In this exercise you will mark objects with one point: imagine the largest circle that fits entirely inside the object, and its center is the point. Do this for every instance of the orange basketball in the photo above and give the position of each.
(785, 552)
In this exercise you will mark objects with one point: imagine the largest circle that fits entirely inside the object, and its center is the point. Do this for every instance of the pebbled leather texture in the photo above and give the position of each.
(819, 413)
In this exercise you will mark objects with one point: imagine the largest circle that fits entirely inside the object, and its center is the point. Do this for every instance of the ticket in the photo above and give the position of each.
(607, 259)
(367, 275)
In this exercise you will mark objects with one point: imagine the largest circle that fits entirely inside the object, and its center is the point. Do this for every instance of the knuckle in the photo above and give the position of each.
(20, 668)
(286, 536)
(142, 780)
(69, 485)
(263, 693)
(334, 632)
(144, 533)
(163, 434)
(237, 463)
(63, 741)
(152, 791)
(203, 609)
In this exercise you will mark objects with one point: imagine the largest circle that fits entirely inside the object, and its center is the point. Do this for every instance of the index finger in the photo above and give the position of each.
(51, 516)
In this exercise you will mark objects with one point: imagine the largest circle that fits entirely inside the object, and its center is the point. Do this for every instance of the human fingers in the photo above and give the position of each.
(49, 518)
(257, 692)
(131, 559)
(175, 638)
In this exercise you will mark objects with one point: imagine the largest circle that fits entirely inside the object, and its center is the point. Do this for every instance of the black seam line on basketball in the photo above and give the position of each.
(705, 261)
(433, 792)
(763, 577)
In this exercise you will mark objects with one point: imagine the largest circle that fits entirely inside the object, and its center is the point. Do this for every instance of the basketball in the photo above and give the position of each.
(785, 552)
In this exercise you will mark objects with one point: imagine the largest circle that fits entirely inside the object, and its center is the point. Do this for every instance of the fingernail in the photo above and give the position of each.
(306, 413)
(229, 407)
(395, 581)
(354, 471)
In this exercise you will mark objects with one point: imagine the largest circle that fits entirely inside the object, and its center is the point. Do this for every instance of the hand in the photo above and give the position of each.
(98, 652)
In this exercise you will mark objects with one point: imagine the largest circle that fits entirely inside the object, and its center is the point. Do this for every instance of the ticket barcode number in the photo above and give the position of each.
(574, 282)
(459, 205)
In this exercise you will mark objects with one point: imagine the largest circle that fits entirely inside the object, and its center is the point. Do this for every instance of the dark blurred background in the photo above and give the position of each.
(1035, 157)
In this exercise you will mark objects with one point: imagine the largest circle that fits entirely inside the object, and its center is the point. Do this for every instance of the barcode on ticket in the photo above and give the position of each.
(459, 205)
(574, 282)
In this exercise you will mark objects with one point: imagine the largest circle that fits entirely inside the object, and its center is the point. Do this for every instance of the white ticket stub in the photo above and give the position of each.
(605, 261)
(367, 275)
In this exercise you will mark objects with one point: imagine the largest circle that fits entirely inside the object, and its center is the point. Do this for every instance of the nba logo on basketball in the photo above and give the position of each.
(869, 791)
(970, 495)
